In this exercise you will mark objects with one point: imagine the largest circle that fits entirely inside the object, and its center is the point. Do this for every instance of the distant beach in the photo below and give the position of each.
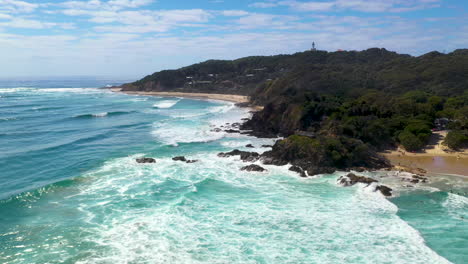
(224, 97)
(436, 158)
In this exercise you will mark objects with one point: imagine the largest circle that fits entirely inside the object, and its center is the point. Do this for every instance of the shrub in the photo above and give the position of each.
(456, 139)
(410, 141)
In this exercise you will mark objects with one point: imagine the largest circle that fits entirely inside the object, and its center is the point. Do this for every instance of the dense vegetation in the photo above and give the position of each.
(347, 104)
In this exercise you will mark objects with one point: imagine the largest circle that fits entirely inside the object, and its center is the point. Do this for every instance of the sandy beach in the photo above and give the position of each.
(436, 158)
(223, 97)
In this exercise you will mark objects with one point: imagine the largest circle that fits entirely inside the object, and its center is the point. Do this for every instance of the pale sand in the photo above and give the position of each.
(436, 158)
(223, 97)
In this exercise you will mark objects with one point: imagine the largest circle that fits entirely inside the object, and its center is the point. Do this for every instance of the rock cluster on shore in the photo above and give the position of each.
(351, 179)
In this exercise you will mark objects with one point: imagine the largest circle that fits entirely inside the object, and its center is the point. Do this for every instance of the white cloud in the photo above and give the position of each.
(143, 20)
(102, 5)
(263, 4)
(5, 16)
(256, 20)
(33, 24)
(15, 6)
(235, 13)
(357, 5)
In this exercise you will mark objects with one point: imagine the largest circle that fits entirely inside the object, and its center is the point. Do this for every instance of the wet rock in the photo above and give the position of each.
(351, 179)
(244, 155)
(358, 169)
(273, 161)
(179, 158)
(298, 170)
(182, 158)
(236, 125)
(145, 160)
(231, 131)
(216, 130)
(249, 146)
(253, 167)
(249, 156)
(420, 178)
(386, 191)
(267, 146)
(314, 170)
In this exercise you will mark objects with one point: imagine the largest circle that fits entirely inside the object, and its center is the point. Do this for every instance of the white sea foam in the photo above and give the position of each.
(16, 90)
(165, 104)
(101, 114)
(210, 212)
(184, 133)
(457, 205)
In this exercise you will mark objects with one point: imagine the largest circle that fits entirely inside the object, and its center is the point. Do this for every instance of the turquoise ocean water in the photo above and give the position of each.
(71, 191)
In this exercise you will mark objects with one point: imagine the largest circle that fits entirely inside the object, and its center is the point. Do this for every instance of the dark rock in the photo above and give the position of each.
(229, 154)
(249, 156)
(358, 169)
(314, 170)
(298, 170)
(216, 130)
(386, 191)
(146, 160)
(420, 178)
(236, 125)
(267, 146)
(180, 158)
(231, 131)
(249, 146)
(243, 104)
(244, 119)
(253, 167)
(414, 181)
(351, 179)
(273, 161)
(244, 155)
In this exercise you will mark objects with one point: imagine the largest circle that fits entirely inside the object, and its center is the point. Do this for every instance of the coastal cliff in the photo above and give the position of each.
(336, 110)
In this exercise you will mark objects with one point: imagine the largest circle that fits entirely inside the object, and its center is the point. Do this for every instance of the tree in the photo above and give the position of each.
(410, 141)
(456, 139)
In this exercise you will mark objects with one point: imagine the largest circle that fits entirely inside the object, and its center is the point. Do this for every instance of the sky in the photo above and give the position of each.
(133, 38)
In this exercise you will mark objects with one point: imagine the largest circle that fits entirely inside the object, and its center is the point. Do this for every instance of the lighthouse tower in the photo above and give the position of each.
(313, 47)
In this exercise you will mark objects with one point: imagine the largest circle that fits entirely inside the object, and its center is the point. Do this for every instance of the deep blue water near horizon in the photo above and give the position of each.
(71, 191)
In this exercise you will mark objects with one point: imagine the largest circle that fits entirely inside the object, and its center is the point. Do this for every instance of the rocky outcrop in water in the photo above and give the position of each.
(386, 191)
(182, 158)
(298, 170)
(232, 131)
(145, 160)
(244, 155)
(253, 167)
(351, 179)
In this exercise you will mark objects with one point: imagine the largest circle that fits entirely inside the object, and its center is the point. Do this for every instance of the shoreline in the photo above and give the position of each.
(435, 160)
(223, 97)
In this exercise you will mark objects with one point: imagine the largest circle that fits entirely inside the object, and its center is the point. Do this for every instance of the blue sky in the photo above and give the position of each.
(132, 38)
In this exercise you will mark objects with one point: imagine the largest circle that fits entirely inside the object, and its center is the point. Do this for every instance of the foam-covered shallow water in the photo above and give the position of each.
(71, 192)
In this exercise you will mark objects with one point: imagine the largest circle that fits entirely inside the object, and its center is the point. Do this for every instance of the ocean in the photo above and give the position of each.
(71, 191)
